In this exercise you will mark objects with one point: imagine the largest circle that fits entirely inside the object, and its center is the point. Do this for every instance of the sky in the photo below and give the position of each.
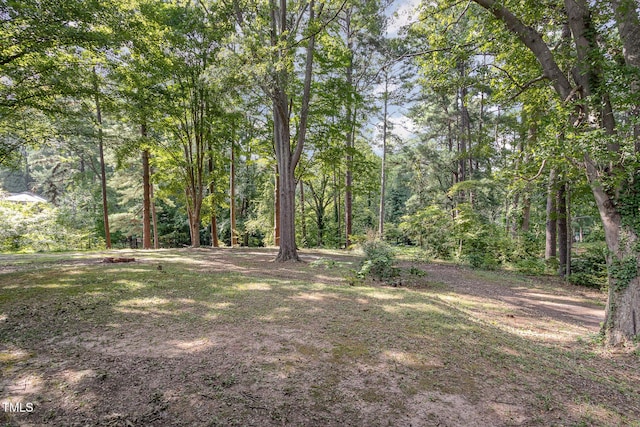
(401, 13)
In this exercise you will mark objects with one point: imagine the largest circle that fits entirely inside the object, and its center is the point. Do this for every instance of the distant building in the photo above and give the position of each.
(25, 197)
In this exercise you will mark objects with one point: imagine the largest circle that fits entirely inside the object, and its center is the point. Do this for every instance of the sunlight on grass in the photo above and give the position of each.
(253, 286)
(460, 301)
(193, 345)
(383, 295)
(413, 360)
(315, 296)
(130, 284)
(9, 356)
(20, 387)
(73, 377)
(424, 307)
(144, 302)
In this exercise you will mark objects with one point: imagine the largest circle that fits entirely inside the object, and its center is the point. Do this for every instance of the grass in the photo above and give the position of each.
(230, 338)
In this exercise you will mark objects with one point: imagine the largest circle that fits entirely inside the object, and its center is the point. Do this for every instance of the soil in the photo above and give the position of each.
(330, 355)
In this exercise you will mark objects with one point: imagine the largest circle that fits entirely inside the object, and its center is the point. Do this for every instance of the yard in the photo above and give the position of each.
(227, 337)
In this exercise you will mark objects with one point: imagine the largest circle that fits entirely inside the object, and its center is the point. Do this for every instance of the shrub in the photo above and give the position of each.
(379, 260)
(534, 266)
(589, 267)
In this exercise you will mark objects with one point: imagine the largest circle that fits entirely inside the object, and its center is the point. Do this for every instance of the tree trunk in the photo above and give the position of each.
(194, 222)
(146, 194)
(303, 222)
(103, 173)
(146, 201)
(383, 175)
(351, 118)
(287, 157)
(154, 217)
(232, 197)
(551, 229)
(276, 209)
(563, 234)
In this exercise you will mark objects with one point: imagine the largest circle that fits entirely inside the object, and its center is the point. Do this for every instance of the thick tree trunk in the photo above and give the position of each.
(287, 157)
(193, 215)
(351, 118)
(146, 201)
(288, 249)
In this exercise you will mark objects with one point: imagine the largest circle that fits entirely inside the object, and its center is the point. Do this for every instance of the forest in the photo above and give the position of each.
(495, 134)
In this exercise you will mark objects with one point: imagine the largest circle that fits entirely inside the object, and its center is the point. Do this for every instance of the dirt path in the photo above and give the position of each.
(534, 300)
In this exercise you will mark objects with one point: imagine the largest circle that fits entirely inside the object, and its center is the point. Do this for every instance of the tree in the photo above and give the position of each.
(591, 123)
(38, 61)
(194, 105)
(272, 50)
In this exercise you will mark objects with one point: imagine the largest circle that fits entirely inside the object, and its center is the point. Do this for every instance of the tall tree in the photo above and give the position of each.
(591, 122)
(290, 27)
(103, 174)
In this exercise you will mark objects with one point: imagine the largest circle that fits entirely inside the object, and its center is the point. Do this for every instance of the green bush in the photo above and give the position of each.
(589, 266)
(432, 229)
(534, 266)
(379, 260)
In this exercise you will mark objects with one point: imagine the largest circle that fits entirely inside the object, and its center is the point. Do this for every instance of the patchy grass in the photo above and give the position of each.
(228, 337)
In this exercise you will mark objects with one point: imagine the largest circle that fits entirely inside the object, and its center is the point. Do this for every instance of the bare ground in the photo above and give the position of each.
(228, 337)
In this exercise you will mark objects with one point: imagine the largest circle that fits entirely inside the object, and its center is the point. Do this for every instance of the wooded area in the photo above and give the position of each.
(498, 134)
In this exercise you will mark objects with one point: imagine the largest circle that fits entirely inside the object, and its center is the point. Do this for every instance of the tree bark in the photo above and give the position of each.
(276, 209)
(103, 173)
(288, 157)
(383, 174)
(154, 217)
(629, 28)
(146, 194)
(563, 237)
(232, 197)
(351, 117)
(146, 201)
(303, 222)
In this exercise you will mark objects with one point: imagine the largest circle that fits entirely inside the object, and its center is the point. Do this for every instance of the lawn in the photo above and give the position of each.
(227, 337)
